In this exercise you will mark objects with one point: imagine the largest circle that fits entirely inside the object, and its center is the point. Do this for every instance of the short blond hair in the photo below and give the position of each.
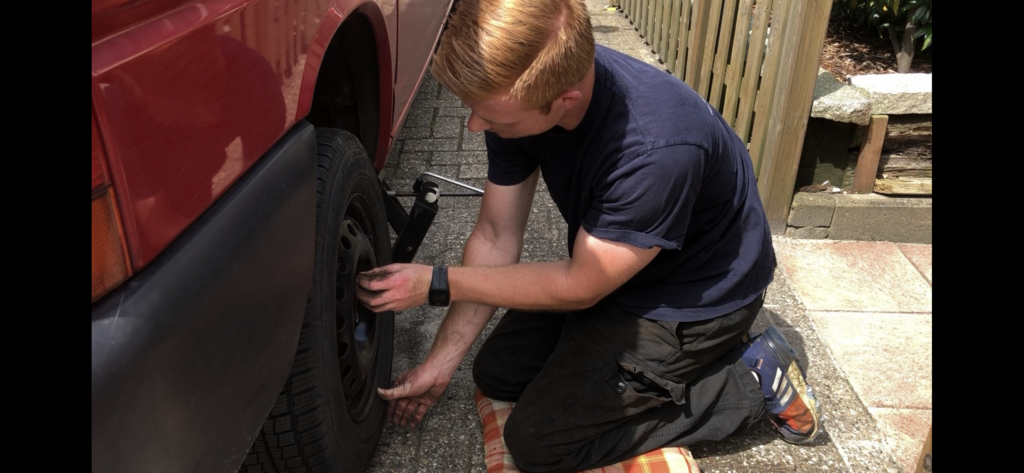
(531, 50)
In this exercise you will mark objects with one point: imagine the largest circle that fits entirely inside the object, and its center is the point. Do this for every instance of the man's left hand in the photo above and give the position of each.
(413, 393)
(394, 287)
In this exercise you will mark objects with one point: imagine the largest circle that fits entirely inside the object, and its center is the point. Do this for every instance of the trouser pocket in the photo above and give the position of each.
(641, 387)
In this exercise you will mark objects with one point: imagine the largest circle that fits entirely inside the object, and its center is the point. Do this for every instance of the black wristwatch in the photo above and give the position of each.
(439, 295)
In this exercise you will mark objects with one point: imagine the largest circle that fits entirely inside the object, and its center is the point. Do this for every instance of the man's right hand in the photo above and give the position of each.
(412, 394)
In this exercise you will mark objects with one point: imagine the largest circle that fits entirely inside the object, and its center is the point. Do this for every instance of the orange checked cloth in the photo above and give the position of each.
(492, 418)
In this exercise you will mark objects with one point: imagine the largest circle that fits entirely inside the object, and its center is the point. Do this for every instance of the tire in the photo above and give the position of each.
(328, 417)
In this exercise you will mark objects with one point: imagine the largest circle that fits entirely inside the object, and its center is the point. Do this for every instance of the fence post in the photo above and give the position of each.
(791, 107)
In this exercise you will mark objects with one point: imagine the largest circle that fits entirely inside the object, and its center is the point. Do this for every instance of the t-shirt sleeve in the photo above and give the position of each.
(648, 201)
(508, 163)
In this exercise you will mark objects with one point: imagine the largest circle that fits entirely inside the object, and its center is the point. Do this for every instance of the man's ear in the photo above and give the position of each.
(569, 98)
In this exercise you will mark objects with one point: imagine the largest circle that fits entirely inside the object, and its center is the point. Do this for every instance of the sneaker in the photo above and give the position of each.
(789, 400)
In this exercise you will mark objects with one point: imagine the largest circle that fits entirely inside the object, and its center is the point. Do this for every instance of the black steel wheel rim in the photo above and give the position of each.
(356, 324)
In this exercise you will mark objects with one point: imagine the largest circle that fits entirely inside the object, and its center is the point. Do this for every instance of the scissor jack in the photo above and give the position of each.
(412, 226)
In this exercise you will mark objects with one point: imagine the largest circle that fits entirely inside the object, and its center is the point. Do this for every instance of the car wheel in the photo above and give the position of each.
(328, 416)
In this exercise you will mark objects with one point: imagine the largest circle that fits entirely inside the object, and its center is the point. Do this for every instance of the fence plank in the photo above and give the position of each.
(659, 16)
(639, 13)
(766, 95)
(722, 54)
(801, 58)
(752, 70)
(633, 14)
(642, 15)
(673, 34)
(698, 36)
(684, 39)
(649, 23)
(734, 72)
(769, 99)
(663, 27)
(636, 15)
(708, 49)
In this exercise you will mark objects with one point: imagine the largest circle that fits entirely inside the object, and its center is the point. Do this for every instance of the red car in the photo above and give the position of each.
(236, 146)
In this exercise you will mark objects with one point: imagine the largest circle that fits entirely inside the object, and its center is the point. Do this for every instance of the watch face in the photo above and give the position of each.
(438, 298)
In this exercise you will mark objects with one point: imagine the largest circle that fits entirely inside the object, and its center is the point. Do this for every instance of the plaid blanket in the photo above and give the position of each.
(492, 418)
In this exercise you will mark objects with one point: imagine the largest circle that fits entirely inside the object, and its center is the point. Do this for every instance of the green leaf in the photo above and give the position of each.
(918, 12)
(927, 42)
(922, 31)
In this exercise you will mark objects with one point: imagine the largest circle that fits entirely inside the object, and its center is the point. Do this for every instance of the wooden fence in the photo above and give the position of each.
(756, 62)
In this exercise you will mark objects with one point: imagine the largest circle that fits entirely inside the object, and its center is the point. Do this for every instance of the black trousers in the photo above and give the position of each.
(602, 385)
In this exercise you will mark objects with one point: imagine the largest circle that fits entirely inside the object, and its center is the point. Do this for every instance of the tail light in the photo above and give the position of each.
(109, 252)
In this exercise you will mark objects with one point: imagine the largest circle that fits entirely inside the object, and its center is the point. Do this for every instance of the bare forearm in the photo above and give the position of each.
(529, 286)
(466, 320)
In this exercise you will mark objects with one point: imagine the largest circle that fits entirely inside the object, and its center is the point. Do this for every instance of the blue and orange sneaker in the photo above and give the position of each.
(789, 400)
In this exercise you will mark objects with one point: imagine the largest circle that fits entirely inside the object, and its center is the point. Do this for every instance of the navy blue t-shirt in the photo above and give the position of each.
(652, 164)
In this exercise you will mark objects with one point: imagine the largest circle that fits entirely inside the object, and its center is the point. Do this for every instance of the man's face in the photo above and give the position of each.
(505, 118)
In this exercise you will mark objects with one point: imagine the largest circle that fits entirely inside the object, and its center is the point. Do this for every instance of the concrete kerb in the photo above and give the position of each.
(868, 217)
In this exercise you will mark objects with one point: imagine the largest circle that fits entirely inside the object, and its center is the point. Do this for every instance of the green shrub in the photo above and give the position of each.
(896, 18)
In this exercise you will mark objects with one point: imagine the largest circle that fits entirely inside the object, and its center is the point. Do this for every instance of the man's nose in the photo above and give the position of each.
(476, 124)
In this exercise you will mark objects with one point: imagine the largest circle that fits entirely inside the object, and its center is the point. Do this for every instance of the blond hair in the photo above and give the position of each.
(529, 50)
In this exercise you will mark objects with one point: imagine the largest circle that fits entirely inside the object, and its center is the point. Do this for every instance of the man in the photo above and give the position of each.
(640, 339)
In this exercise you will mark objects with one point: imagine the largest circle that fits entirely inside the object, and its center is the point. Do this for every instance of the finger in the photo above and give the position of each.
(372, 285)
(367, 296)
(394, 403)
(391, 411)
(377, 274)
(379, 302)
(421, 411)
(382, 307)
(407, 414)
(394, 393)
(376, 303)
(396, 417)
(374, 271)
(362, 282)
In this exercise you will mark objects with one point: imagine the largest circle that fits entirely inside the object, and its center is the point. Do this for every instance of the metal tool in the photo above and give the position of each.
(413, 225)
(477, 192)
